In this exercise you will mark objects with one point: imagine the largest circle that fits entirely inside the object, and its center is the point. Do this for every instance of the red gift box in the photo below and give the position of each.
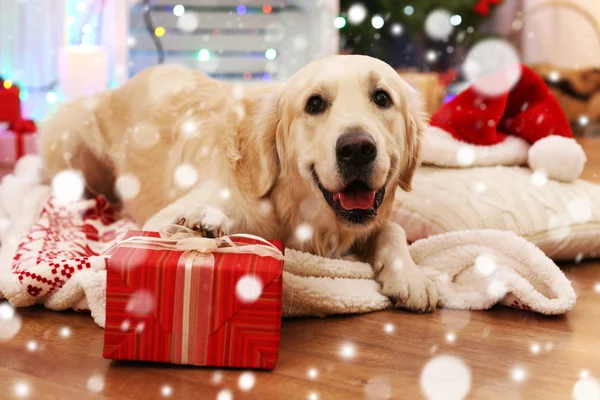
(182, 307)
(10, 103)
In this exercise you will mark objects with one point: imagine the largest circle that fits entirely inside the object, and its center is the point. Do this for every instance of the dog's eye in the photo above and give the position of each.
(315, 105)
(382, 99)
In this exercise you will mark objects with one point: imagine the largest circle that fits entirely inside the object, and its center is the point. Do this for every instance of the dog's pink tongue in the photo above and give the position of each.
(356, 200)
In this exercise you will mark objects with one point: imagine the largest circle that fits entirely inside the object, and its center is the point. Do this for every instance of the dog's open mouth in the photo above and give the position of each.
(356, 202)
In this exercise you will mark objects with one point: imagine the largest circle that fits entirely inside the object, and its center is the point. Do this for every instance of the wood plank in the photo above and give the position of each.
(190, 43)
(218, 20)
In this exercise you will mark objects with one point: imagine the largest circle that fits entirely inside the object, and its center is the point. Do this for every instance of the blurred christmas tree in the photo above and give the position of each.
(425, 32)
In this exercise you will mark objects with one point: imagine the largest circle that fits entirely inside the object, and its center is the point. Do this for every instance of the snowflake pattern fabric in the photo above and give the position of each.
(66, 240)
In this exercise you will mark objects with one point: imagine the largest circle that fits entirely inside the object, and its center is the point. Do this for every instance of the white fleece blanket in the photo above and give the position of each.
(50, 254)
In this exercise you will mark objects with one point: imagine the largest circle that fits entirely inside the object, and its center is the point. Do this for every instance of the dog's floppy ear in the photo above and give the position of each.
(259, 147)
(415, 125)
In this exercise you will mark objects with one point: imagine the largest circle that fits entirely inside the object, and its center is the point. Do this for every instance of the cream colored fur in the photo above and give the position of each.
(252, 150)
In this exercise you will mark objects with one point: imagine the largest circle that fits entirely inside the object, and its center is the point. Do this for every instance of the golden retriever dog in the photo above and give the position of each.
(314, 162)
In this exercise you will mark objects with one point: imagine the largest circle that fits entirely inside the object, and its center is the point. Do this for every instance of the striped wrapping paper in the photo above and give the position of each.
(182, 308)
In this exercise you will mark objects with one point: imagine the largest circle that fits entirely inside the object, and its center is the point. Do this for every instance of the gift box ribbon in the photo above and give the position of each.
(223, 244)
(20, 128)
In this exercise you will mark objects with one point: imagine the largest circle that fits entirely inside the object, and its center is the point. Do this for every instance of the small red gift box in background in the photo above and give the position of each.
(17, 135)
(189, 307)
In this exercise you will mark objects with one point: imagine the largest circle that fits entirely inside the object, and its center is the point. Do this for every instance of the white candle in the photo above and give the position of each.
(82, 70)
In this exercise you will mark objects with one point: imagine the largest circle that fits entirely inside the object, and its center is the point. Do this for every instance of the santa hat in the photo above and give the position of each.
(522, 126)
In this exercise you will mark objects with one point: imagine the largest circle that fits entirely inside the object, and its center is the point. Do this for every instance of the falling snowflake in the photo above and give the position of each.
(348, 351)
(32, 345)
(465, 156)
(535, 348)
(265, 206)
(583, 120)
(312, 373)
(217, 377)
(496, 57)
(597, 287)
(10, 322)
(396, 29)
(95, 383)
(140, 327)
(185, 176)
(539, 178)
(377, 389)
(586, 389)
(68, 186)
(445, 377)
(580, 211)
(389, 328)
(357, 14)
(431, 56)
(4, 224)
(438, 25)
(548, 346)
(125, 325)
(480, 187)
(166, 391)
(497, 289)
(313, 396)
(189, 128)
(128, 186)
(485, 265)
(140, 303)
(584, 374)
(188, 22)
(304, 232)
(518, 374)
(246, 381)
(65, 332)
(225, 394)
(248, 288)
(578, 258)
(450, 337)
(300, 43)
(21, 389)
(225, 194)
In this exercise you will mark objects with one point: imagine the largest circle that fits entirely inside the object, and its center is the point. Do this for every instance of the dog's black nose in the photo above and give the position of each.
(355, 149)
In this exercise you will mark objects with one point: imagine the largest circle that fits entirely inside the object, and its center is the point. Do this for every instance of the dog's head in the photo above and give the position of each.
(346, 129)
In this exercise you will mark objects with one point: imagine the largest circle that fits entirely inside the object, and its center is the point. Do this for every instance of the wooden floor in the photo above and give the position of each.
(510, 354)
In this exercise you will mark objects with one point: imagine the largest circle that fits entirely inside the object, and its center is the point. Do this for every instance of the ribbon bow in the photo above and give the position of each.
(224, 244)
(482, 7)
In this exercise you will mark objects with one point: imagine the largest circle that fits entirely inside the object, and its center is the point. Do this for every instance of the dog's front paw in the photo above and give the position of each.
(204, 220)
(408, 288)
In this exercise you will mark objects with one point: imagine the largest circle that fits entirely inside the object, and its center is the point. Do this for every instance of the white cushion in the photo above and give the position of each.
(562, 219)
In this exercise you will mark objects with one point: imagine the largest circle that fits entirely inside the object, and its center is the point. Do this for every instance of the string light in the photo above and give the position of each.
(7, 84)
(178, 10)
(51, 97)
(377, 21)
(339, 22)
(267, 9)
(159, 31)
(203, 55)
(241, 9)
(409, 10)
(270, 54)
(82, 6)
